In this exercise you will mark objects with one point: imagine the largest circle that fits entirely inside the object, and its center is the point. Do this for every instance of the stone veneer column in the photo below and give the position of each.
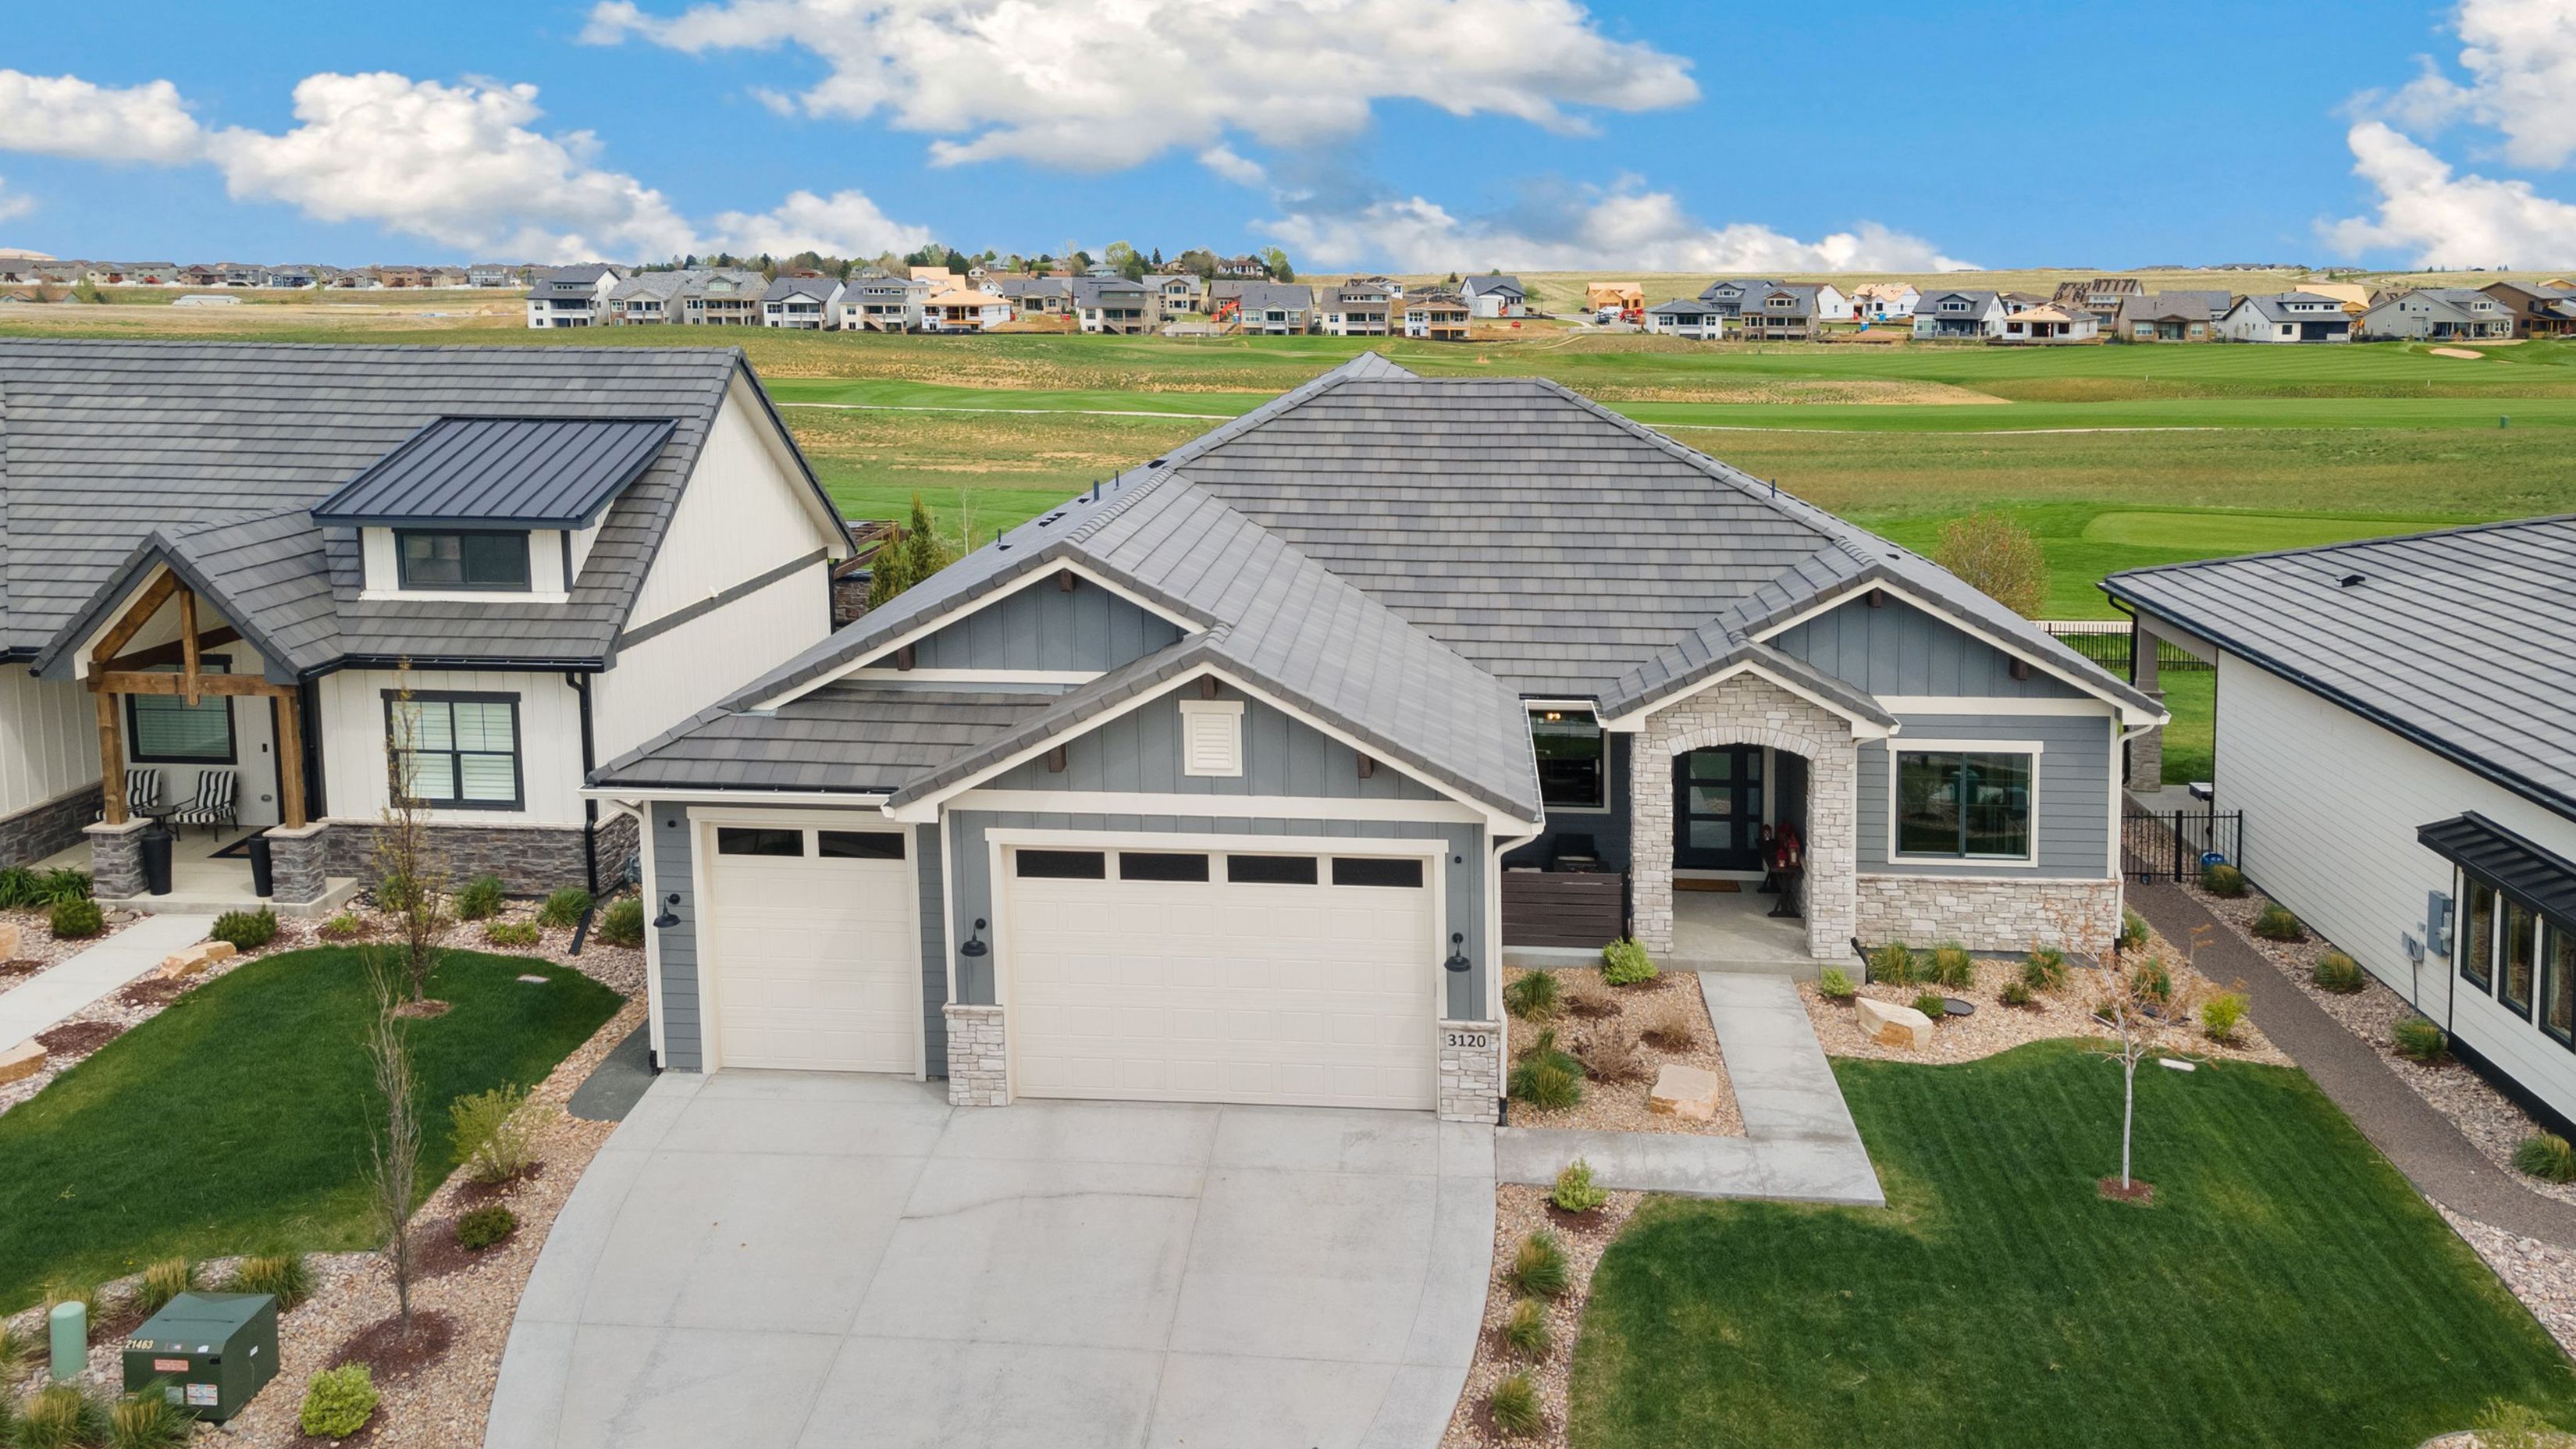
(1471, 1070)
(116, 859)
(2147, 754)
(1746, 710)
(979, 1068)
(296, 864)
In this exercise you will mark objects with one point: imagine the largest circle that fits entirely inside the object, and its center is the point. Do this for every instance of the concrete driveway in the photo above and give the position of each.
(778, 1258)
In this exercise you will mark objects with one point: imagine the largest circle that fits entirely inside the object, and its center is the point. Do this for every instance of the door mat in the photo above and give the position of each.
(239, 849)
(1723, 887)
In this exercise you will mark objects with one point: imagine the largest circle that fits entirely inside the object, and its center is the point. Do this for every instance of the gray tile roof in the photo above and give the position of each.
(2276, 306)
(1268, 296)
(103, 445)
(538, 472)
(844, 738)
(1508, 286)
(2176, 306)
(818, 288)
(2462, 641)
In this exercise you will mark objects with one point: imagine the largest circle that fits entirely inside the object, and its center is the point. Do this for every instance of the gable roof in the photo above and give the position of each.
(117, 456)
(2461, 640)
(2174, 306)
(2276, 306)
(1509, 286)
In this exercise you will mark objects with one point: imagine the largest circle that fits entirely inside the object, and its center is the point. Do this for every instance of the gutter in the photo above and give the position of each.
(580, 685)
(630, 796)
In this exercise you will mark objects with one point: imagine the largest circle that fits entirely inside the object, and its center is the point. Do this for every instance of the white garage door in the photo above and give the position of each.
(815, 957)
(1216, 977)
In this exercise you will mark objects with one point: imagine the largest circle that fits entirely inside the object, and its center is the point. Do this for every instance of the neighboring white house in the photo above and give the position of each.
(2287, 317)
(2050, 324)
(801, 304)
(872, 301)
(955, 308)
(2438, 314)
(1831, 304)
(572, 549)
(1355, 309)
(2392, 719)
(1684, 317)
(1884, 301)
(1495, 296)
(1959, 315)
(574, 296)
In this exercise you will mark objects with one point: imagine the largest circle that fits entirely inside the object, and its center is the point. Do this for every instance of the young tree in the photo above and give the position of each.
(393, 1159)
(1274, 260)
(2143, 1005)
(1997, 556)
(915, 555)
(410, 877)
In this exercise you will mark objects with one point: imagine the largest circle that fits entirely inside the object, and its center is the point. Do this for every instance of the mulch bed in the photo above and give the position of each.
(152, 991)
(79, 1038)
(1590, 1220)
(435, 1253)
(20, 968)
(390, 1349)
(2141, 1193)
(472, 1194)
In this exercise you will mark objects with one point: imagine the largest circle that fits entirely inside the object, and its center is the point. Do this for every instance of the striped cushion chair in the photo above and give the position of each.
(142, 795)
(213, 806)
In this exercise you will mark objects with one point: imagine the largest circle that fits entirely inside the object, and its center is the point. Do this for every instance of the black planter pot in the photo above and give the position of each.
(263, 877)
(155, 845)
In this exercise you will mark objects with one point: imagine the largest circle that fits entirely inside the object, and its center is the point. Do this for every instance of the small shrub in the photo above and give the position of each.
(1546, 1084)
(246, 930)
(2044, 969)
(60, 1416)
(1575, 1191)
(76, 920)
(1671, 1028)
(1892, 963)
(2016, 992)
(2547, 1156)
(1934, 1005)
(2155, 980)
(1589, 1002)
(2419, 1040)
(1539, 1269)
(68, 883)
(162, 1282)
(485, 1226)
(1835, 986)
(622, 924)
(2277, 924)
(2503, 1425)
(285, 1277)
(564, 909)
(479, 898)
(1611, 1055)
(1526, 1329)
(18, 890)
(1514, 1406)
(513, 933)
(342, 927)
(2338, 973)
(2133, 929)
(1625, 963)
(1533, 997)
(15, 1354)
(2225, 881)
(1953, 967)
(338, 1402)
(495, 1132)
(146, 1419)
(2221, 1014)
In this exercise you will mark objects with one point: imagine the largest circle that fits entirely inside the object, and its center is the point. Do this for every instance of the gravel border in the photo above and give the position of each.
(37, 943)
(2541, 1275)
(1622, 1106)
(1518, 1212)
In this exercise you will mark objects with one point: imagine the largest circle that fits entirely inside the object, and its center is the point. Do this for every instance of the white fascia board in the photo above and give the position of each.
(630, 797)
(1221, 807)
(2129, 713)
(972, 604)
(2089, 707)
(1862, 727)
(875, 674)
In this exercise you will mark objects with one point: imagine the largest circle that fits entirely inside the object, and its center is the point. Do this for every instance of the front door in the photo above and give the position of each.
(1717, 809)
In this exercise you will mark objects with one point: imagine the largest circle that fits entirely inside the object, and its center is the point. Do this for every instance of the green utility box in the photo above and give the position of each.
(211, 1351)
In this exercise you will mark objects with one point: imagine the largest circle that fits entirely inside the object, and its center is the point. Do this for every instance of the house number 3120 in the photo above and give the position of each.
(1470, 1038)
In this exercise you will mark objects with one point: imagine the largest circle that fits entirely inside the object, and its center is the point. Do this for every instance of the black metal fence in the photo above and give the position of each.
(2106, 642)
(2174, 844)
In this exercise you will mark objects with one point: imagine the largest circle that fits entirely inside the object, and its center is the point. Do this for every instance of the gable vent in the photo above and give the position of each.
(1212, 737)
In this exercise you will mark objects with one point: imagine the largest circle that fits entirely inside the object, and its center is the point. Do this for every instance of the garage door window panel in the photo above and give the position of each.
(742, 840)
(858, 844)
(1062, 864)
(1161, 865)
(1270, 869)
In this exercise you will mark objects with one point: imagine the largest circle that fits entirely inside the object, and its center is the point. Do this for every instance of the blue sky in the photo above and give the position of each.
(1615, 134)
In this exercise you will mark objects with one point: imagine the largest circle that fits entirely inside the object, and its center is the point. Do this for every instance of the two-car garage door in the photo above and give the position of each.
(1217, 976)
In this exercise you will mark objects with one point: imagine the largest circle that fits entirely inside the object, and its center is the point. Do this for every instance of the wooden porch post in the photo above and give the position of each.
(111, 761)
(290, 758)
(188, 646)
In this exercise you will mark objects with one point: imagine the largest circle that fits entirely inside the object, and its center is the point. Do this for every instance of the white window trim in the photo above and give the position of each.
(1229, 713)
(2036, 749)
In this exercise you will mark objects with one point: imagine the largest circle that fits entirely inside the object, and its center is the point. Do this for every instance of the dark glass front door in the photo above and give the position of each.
(1717, 809)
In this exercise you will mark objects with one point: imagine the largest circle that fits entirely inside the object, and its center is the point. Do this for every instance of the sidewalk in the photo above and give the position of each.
(61, 991)
(1799, 1144)
(2443, 1165)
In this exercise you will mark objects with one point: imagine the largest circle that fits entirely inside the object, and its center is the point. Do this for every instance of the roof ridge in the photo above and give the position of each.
(2377, 541)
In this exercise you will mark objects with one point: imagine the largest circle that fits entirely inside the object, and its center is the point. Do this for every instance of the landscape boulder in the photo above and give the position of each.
(190, 960)
(9, 940)
(21, 1061)
(1686, 1092)
(1889, 1024)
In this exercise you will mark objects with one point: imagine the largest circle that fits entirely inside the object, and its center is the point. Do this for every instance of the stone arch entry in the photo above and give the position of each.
(1748, 710)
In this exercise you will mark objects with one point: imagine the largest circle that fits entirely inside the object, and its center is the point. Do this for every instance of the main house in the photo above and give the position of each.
(2392, 721)
(258, 579)
(1239, 776)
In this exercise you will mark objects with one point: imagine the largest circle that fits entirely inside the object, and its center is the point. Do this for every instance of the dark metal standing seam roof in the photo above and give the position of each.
(2463, 640)
(535, 472)
(2535, 873)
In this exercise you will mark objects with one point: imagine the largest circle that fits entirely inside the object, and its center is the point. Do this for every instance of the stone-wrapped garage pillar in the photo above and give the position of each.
(1471, 1070)
(979, 1065)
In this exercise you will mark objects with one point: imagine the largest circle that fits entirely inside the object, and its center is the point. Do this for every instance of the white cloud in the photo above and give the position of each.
(2520, 56)
(462, 165)
(12, 205)
(2448, 220)
(846, 223)
(1096, 86)
(1241, 170)
(1619, 227)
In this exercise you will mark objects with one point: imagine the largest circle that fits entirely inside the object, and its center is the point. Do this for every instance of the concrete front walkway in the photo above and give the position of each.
(777, 1258)
(1799, 1144)
(51, 996)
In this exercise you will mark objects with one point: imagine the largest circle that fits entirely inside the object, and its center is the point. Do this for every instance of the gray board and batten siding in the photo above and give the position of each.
(1043, 627)
(1898, 649)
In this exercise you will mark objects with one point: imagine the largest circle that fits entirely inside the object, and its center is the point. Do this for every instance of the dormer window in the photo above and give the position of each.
(462, 559)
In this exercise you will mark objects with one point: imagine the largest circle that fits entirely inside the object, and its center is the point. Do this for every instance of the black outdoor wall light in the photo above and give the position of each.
(669, 917)
(975, 948)
(1457, 951)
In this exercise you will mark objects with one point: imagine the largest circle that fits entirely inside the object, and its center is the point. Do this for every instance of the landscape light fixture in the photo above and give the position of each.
(669, 917)
(975, 948)
(1457, 951)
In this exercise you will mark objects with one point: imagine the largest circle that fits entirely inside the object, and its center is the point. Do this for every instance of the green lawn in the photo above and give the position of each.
(2191, 741)
(237, 1120)
(2288, 1287)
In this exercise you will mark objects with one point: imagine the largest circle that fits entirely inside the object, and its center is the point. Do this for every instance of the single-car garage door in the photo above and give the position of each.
(1223, 977)
(816, 960)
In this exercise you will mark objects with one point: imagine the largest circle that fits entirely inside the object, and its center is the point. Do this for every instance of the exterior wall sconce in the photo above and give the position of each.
(975, 948)
(1457, 952)
(669, 917)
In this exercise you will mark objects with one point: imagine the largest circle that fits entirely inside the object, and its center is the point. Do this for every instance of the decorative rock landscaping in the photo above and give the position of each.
(1642, 1030)
(1890, 1024)
(1519, 1212)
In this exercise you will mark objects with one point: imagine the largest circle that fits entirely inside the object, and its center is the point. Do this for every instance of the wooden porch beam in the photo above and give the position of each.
(188, 646)
(118, 682)
(160, 654)
(146, 604)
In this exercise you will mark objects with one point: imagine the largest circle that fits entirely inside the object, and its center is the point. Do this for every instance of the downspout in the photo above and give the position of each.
(580, 685)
